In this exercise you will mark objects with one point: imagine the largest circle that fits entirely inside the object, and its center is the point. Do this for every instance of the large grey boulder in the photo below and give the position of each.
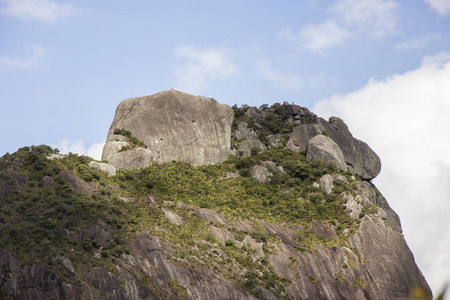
(301, 135)
(104, 167)
(174, 126)
(359, 157)
(248, 139)
(323, 148)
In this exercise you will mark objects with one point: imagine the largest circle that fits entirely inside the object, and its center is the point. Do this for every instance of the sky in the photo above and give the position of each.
(383, 66)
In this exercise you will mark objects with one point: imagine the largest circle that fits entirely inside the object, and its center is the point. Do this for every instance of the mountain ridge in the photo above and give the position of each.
(277, 219)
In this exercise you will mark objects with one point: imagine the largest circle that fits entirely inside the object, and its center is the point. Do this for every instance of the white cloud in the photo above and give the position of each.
(416, 43)
(37, 57)
(347, 18)
(284, 80)
(404, 118)
(203, 66)
(44, 10)
(316, 37)
(442, 7)
(412, 44)
(438, 60)
(94, 150)
(373, 16)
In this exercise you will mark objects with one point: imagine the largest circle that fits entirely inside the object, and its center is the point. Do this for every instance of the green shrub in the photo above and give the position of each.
(133, 141)
(177, 289)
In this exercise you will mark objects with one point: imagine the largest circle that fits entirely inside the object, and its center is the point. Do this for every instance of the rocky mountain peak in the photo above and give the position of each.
(241, 203)
(171, 125)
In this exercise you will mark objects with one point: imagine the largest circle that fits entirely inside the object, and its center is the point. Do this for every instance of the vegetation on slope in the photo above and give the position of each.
(45, 219)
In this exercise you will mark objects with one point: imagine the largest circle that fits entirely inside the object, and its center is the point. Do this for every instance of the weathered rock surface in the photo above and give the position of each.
(178, 126)
(358, 156)
(301, 135)
(174, 126)
(323, 148)
(248, 140)
(104, 167)
(261, 174)
(371, 262)
(327, 182)
(374, 264)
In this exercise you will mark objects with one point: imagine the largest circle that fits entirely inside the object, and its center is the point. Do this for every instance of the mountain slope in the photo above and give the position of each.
(270, 222)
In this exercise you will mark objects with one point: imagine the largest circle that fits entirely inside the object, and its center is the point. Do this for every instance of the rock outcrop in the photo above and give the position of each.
(376, 263)
(173, 126)
(323, 148)
(359, 157)
(275, 224)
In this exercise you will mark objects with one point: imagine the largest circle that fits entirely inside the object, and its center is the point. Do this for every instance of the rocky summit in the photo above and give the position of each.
(198, 200)
(172, 126)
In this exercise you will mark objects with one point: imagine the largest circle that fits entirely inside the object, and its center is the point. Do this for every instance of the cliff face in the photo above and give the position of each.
(172, 125)
(291, 214)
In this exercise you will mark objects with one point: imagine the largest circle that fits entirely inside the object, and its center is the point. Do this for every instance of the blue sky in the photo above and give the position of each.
(381, 65)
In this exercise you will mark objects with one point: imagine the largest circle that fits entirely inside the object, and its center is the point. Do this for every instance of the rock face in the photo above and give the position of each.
(108, 168)
(323, 148)
(376, 263)
(176, 248)
(359, 157)
(248, 139)
(174, 126)
(178, 126)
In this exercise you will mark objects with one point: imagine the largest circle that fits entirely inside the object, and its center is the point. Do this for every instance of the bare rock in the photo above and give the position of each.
(112, 147)
(174, 126)
(222, 235)
(54, 156)
(104, 167)
(106, 282)
(254, 113)
(369, 190)
(132, 159)
(255, 246)
(210, 215)
(272, 167)
(78, 184)
(301, 135)
(274, 139)
(264, 293)
(292, 109)
(249, 139)
(388, 258)
(261, 174)
(353, 207)
(327, 181)
(173, 217)
(360, 158)
(32, 281)
(323, 148)
(151, 255)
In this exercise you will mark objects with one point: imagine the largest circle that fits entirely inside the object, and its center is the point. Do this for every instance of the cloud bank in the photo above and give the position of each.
(404, 118)
(43, 10)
